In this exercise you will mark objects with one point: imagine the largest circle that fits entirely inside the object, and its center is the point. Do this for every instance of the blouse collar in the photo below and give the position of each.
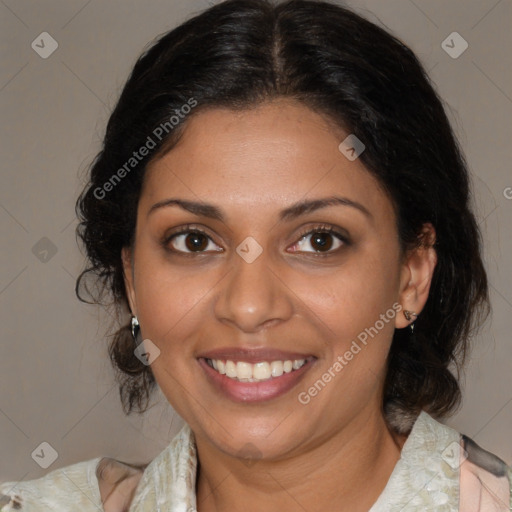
(429, 462)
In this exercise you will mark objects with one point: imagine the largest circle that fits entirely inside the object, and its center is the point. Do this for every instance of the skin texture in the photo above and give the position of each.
(335, 453)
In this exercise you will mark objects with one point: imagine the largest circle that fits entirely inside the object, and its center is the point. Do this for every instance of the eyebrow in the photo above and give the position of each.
(289, 213)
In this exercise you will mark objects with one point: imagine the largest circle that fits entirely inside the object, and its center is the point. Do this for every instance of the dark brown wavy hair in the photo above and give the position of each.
(240, 53)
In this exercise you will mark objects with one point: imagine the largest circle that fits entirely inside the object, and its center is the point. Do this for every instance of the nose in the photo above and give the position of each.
(253, 296)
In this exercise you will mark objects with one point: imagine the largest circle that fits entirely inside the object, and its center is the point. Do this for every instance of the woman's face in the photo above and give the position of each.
(264, 283)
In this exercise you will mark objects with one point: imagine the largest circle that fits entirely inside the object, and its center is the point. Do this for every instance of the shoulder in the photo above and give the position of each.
(117, 482)
(74, 484)
(442, 470)
(97, 484)
(485, 479)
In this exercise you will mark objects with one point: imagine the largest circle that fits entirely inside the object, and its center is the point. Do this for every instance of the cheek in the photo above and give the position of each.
(351, 297)
(171, 301)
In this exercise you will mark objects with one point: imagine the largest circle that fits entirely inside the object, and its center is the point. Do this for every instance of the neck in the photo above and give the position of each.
(345, 471)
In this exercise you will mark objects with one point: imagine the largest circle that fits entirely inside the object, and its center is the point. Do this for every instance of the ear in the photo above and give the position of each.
(416, 275)
(127, 259)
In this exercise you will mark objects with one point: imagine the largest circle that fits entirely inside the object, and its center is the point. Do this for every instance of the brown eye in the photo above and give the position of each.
(321, 241)
(196, 242)
(190, 241)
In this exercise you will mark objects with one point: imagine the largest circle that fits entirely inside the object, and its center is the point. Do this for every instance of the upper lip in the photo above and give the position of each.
(253, 355)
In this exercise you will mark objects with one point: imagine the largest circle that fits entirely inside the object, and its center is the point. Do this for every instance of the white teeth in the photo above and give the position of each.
(243, 370)
(261, 371)
(230, 369)
(247, 372)
(297, 364)
(276, 368)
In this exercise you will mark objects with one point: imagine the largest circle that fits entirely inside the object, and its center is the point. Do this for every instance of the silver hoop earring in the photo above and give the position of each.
(136, 330)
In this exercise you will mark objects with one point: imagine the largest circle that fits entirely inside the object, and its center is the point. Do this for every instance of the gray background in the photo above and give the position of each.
(56, 384)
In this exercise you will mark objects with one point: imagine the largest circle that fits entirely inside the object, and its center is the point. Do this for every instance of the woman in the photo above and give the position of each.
(281, 208)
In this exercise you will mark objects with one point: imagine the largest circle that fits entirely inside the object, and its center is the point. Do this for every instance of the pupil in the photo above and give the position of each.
(193, 241)
(319, 239)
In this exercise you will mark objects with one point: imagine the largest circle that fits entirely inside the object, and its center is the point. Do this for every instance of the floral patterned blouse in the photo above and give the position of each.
(439, 470)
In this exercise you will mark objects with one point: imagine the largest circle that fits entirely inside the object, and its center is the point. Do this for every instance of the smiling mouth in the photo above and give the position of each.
(243, 371)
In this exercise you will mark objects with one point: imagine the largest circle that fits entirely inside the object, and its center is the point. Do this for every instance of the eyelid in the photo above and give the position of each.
(183, 229)
(326, 228)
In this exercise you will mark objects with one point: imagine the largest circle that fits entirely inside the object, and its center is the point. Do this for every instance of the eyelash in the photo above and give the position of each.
(324, 229)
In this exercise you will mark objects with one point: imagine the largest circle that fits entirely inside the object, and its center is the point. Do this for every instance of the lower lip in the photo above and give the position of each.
(255, 391)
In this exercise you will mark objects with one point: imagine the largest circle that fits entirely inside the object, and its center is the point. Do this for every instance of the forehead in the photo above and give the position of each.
(267, 156)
